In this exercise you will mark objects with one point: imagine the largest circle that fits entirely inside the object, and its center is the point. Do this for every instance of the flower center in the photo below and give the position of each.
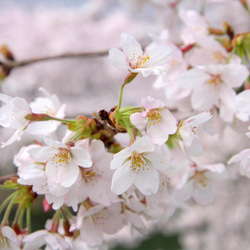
(89, 175)
(200, 178)
(138, 62)
(215, 81)
(154, 117)
(138, 163)
(219, 57)
(61, 158)
(100, 218)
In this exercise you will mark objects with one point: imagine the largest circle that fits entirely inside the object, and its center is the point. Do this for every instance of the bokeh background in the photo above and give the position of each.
(33, 29)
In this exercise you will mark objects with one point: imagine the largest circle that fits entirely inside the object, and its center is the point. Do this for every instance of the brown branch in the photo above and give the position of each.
(14, 64)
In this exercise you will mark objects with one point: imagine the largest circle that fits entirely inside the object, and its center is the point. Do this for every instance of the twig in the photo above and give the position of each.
(14, 64)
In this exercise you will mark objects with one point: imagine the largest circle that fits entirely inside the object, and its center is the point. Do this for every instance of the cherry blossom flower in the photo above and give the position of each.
(175, 96)
(94, 182)
(187, 132)
(138, 165)
(242, 105)
(201, 183)
(49, 105)
(244, 158)
(132, 57)
(12, 115)
(213, 85)
(196, 25)
(210, 51)
(97, 221)
(62, 164)
(9, 239)
(159, 121)
(45, 238)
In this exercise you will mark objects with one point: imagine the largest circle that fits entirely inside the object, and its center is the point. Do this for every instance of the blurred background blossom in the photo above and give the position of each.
(33, 29)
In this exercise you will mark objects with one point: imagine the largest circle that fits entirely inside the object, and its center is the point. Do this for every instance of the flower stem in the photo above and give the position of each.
(128, 79)
(231, 54)
(4, 204)
(8, 210)
(28, 218)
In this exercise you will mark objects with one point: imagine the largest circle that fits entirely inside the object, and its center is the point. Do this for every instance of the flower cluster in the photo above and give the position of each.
(102, 186)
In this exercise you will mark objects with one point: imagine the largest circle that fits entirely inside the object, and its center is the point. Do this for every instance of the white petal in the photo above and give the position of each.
(142, 144)
(147, 181)
(195, 148)
(42, 128)
(42, 154)
(240, 156)
(81, 157)
(234, 74)
(204, 97)
(15, 137)
(158, 55)
(130, 46)
(192, 78)
(122, 179)
(120, 158)
(118, 58)
(64, 172)
(156, 161)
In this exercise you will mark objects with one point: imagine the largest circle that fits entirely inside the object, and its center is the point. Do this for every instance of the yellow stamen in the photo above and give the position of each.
(154, 117)
(138, 163)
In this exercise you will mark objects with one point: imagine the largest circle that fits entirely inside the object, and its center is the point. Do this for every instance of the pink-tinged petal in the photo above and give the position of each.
(118, 58)
(139, 119)
(234, 74)
(242, 101)
(204, 97)
(218, 168)
(169, 121)
(158, 133)
(122, 179)
(184, 193)
(240, 156)
(131, 47)
(156, 161)
(120, 158)
(152, 103)
(197, 120)
(147, 181)
(227, 97)
(195, 149)
(158, 54)
(81, 157)
(192, 78)
(142, 145)
(136, 221)
(203, 194)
